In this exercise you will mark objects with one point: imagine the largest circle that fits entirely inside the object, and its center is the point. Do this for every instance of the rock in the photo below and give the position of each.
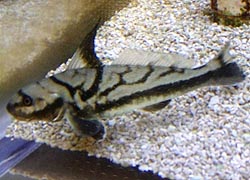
(231, 12)
(214, 101)
(36, 36)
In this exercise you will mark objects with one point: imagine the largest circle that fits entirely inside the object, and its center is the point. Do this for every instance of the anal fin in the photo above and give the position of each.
(158, 106)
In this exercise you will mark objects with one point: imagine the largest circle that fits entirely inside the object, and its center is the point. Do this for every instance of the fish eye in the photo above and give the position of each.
(27, 101)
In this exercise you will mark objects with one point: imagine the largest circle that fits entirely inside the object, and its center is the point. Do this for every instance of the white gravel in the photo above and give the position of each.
(204, 134)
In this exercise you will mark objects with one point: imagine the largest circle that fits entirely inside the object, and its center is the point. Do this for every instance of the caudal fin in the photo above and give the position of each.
(224, 56)
(221, 59)
(228, 72)
(221, 70)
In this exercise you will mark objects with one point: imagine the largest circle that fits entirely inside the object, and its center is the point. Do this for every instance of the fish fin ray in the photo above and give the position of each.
(141, 57)
(85, 55)
(226, 72)
(224, 56)
(222, 59)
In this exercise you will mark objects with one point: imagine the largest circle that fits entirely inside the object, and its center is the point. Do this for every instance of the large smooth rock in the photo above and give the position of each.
(36, 36)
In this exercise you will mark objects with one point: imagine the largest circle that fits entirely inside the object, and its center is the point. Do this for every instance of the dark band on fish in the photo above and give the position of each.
(95, 86)
(145, 77)
(70, 88)
(21, 93)
(169, 71)
(165, 89)
(87, 49)
(49, 109)
(108, 90)
(122, 81)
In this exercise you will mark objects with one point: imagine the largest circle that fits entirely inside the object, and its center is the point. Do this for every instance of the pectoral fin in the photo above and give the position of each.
(85, 55)
(93, 128)
(156, 107)
(83, 127)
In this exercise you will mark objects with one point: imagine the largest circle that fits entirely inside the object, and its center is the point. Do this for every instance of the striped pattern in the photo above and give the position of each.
(110, 90)
(87, 94)
(116, 89)
(141, 86)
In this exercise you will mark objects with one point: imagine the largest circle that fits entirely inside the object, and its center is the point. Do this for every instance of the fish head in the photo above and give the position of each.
(35, 102)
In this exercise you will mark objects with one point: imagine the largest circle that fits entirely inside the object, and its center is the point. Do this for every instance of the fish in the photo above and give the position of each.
(89, 90)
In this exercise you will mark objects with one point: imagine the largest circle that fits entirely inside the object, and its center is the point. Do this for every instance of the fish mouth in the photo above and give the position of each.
(52, 112)
(17, 114)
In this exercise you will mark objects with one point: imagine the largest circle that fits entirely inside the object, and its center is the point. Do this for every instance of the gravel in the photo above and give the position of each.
(204, 134)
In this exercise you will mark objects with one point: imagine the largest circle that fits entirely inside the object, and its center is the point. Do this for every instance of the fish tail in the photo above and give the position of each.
(228, 74)
(225, 71)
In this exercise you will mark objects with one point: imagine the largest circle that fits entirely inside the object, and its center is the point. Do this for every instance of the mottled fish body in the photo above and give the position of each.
(88, 90)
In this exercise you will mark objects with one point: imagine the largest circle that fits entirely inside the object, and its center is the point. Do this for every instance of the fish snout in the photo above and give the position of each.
(10, 108)
(17, 114)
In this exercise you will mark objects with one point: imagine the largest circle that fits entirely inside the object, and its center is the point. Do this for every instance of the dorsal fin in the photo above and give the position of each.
(85, 55)
(140, 57)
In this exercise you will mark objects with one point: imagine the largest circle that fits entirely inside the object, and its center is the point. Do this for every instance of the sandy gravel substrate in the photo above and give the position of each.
(204, 134)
